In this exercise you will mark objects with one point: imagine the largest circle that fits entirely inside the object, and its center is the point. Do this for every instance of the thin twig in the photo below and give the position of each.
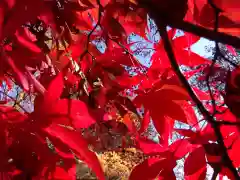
(100, 10)
(12, 98)
(217, 51)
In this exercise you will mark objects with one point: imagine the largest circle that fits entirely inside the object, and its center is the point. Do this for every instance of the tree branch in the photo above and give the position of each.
(100, 10)
(168, 48)
(189, 27)
(162, 21)
(228, 123)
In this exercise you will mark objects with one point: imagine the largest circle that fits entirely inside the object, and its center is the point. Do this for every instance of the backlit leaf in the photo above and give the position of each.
(74, 140)
(190, 165)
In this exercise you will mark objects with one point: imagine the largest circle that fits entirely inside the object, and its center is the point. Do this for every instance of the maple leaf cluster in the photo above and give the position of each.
(86, 100)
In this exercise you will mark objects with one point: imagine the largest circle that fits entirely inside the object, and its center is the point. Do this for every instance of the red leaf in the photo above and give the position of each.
(174, 111)
(150, 167)
(186, 132)
(81, 23)
(230, 8)
(167, 109)
(127, 81)
(28, 34)
(231, 50)
(234, 153)
(2, 13)
(227, 172)
(153, 168)
(185, 41)
(189, 74)
(171, 33)
(195, 162)
(54, 90)
(187, 57)
(39, 87)
(161, 94)
(213, 152)
(86, 3)
(74, 140)
(129, 123)
(200, 175)
(147, 146)
(11, 115)
(19, 75)
(201, 94)
(227, 115)
(22, 11)
(145, 121)
(116, 55)
(176, 92)
(203, 13)
(180, 148)
(133, 21)
(27, 44)
(58, 173)
(114, 28)
(208, 133)
(70, 112)
(160, 59)
(164, 126)
(3, 102)
(190, 114)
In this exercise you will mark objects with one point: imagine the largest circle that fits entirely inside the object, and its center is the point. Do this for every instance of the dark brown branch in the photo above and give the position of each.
(162, 21)
(228, 123)
(227, 60)
(207, 33)
(217, 51)
(100, 10)
(189, 27)
(215, 174)
(168, 48)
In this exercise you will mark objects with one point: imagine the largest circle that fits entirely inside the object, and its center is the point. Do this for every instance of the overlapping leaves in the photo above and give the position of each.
(59, 41)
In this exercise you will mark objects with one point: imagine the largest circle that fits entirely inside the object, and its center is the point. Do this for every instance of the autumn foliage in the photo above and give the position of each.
(89, 99)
